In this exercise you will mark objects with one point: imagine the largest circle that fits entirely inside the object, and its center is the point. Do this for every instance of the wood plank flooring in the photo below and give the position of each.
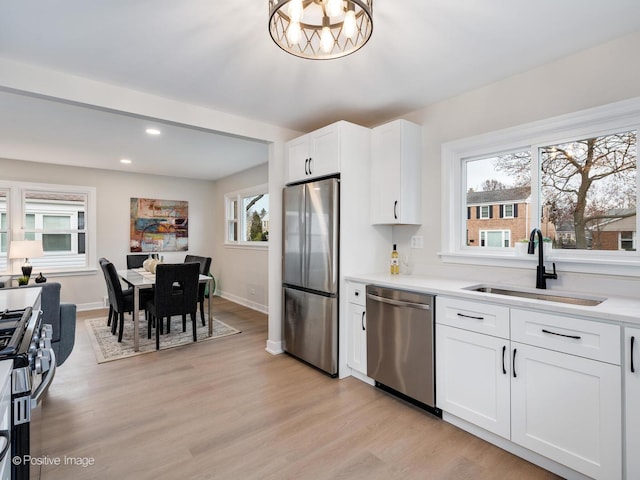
(227, 409)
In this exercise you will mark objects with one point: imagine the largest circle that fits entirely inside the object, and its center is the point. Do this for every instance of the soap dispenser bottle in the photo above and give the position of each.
(395, 261)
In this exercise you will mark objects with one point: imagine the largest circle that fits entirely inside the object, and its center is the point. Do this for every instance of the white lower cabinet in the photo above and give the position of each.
(632, 401)
(472, 372)
(567, 408)
(357, 327)
(563, 406)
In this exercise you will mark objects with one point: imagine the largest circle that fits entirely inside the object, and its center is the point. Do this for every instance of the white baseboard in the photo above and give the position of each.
(83, 307)
(244, 302)
(274, 348)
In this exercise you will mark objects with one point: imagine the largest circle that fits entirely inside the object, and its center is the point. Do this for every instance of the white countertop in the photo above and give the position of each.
(18, 298)
(613, 309)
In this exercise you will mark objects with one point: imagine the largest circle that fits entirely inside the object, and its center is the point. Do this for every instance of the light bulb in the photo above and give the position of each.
(295, 11)
(334, 8)
(293, 33)
(326, 39)
(350, 24)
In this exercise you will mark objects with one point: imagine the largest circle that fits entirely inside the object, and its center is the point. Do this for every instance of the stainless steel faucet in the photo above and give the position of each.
(541, 275)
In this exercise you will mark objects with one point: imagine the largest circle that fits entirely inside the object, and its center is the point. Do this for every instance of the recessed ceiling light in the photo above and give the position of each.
(152, 131)
(125, 160)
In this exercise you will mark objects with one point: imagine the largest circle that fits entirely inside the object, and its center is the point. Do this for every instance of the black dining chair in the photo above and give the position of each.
(103, 261)
(135, 260)
(205, 266)
(120, 301)
(168, 301)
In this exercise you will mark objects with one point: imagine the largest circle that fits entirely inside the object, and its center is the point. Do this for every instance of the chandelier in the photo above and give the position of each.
(320, 29)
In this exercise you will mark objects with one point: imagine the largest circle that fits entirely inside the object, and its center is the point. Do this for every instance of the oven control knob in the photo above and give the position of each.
(42, 365)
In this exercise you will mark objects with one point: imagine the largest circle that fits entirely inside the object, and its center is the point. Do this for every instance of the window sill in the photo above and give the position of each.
(603, 265)
(248, 246)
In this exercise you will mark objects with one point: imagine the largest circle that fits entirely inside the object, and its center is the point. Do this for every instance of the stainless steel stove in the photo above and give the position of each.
(25, 344)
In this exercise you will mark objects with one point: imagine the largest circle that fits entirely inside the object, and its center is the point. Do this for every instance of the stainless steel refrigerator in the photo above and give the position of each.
(310, 272)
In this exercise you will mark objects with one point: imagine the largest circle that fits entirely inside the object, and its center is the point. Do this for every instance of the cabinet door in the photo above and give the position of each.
(472, 378)
(395, 173)
(568, 409)
(632, 418)
(297, 159)
(357, 355)
(324, 151)
(385, 174)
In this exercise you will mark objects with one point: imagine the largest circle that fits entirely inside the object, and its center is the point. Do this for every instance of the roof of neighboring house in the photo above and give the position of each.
(624, 224)
(499, 196)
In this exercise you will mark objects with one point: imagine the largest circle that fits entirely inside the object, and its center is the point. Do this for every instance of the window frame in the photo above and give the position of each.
(240, 219)
(616, 117)
(16, 215)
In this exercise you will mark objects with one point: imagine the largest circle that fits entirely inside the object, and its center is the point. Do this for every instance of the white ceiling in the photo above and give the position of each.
(218, 54)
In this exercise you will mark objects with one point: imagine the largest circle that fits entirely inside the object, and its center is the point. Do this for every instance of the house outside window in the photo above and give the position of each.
(247, 219)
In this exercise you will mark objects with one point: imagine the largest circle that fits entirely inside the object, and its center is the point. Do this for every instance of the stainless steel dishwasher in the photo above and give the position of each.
(400, 343)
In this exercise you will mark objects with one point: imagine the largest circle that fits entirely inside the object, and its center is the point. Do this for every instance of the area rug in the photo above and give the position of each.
(106, 346)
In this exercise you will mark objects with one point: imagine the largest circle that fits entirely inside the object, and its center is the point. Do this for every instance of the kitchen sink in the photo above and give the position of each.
(561, 297)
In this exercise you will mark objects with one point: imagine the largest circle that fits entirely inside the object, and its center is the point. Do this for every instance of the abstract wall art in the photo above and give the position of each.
(159, 225)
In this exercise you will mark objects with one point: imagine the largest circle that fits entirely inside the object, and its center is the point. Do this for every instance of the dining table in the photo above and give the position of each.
(138, 279)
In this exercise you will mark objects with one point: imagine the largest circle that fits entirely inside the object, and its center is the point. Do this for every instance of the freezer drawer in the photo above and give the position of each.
(311, 328)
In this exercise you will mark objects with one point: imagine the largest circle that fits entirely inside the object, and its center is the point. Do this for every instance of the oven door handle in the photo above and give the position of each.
(46, 381)
(6, 434)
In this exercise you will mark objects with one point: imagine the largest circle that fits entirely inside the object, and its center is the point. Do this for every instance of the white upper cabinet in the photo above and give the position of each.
(396, 173)
(314, 155)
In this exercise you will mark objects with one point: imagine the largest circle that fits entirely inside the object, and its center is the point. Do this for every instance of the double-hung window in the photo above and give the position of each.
(574, 178)
(61, 217)
(247, 217)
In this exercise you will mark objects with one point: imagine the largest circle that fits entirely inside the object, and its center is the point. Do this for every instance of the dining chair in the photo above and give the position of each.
(205, 266)
(103, 261)
(169, 301)
(120, 301)
(135, 260)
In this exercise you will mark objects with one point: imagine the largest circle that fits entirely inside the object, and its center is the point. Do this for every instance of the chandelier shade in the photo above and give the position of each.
(320, 29)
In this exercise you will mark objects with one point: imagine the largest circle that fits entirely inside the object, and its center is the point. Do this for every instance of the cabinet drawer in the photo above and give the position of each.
(357, 293)
(475, 316)
(576, 336)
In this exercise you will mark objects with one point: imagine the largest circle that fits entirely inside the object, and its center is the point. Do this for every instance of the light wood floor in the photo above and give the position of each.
(226, 409)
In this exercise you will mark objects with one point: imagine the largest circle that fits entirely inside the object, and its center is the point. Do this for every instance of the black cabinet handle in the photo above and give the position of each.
(504, 369)
(6, 434)
(633, 340)
(306, 163)
(362, 320)
(310, 160)
(470, 316)
(395, 209)
(514, 362)
(575, 337)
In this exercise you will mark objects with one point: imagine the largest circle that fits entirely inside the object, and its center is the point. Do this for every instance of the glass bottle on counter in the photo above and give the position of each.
(395, 261)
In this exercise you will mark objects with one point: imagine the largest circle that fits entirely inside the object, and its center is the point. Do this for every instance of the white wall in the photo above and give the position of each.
(241, 273)
(594, 77)
(113, 192)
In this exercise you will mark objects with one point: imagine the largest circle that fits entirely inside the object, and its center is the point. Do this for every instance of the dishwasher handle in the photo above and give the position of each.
(398, 303)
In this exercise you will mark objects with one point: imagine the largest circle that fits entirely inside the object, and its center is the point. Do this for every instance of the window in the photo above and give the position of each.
(247, 216)
(574, 178)
(507, 210)
(56, 215)
(495, 238)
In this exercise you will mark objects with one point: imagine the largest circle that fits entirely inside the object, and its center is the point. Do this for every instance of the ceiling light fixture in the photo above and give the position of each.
(125, 160)
(152, 131)
(320, 29)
